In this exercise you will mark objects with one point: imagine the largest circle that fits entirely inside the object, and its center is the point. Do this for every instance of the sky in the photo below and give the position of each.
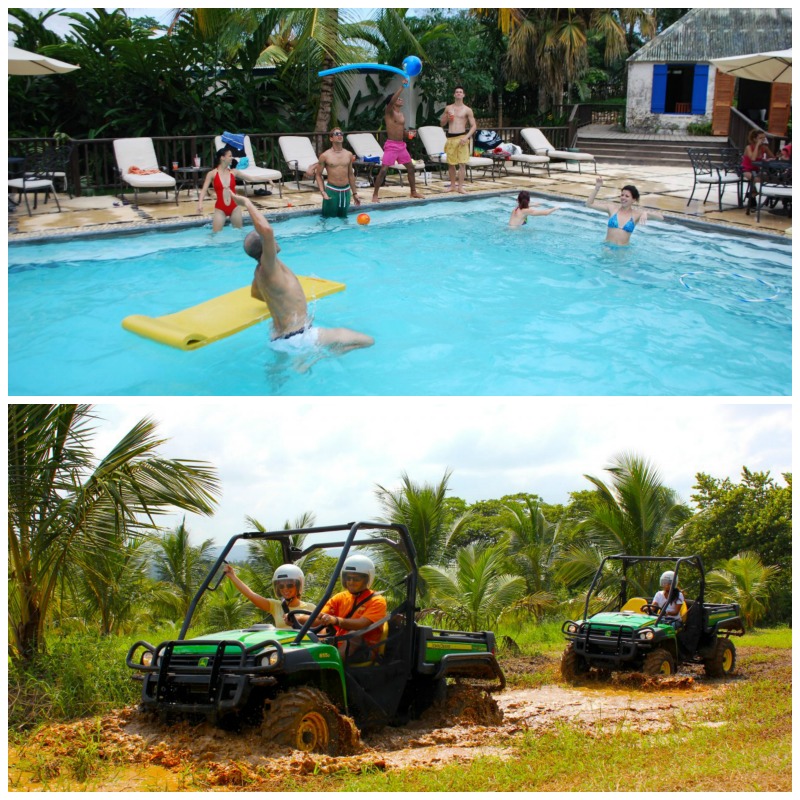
(280, 457)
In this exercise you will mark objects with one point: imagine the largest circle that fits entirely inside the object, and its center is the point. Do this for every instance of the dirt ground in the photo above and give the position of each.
(147, 755)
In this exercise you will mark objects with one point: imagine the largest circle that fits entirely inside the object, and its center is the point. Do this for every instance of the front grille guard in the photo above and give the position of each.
(594, 641)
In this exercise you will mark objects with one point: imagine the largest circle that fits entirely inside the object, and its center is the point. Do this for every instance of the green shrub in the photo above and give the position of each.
(699, 128)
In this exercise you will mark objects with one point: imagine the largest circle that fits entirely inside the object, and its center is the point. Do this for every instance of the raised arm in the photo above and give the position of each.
(591, 201)
(256, 599)
(263, 229)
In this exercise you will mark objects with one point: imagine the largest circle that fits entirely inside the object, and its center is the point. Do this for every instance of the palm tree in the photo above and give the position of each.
(634, 515)
(533, 546)
(473, 594)
(66, 506)
(228, 609)
(423, 510)
(180, 569)
(743, 579)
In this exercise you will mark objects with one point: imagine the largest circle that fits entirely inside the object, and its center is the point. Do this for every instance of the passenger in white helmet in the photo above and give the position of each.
(288, 583)
(664, 598)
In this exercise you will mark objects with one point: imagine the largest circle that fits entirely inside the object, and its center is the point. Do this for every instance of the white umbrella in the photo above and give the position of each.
(22, 62)
(774, 67)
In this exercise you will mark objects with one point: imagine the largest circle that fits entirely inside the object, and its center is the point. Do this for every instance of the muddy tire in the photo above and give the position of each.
(660, 663)
(471, 705)
(723, 662)
(303, 719)
(573, 666)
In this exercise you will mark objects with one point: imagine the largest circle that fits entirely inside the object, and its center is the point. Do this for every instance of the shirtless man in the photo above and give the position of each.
(279, 288)
(461, 127)
(395, 150)
(341, 178)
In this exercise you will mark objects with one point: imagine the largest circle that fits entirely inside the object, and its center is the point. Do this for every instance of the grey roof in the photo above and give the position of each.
(706, 33)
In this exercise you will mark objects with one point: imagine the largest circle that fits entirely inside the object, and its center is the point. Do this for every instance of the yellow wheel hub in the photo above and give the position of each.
(665, 668)
(727, 660)
(312, 733)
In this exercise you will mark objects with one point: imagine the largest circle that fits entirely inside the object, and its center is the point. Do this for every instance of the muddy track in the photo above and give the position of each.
(635, 702)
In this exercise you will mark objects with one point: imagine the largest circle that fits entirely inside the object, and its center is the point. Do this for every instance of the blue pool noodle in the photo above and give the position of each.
(363, 68)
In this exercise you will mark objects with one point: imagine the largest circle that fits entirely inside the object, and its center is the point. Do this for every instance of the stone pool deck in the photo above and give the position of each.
(664, 188)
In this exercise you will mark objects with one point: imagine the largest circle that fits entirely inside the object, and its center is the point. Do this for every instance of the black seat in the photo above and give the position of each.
(38, 176)
(710, 174)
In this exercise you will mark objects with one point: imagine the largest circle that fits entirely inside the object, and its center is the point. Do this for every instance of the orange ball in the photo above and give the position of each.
(288, 205)
(362, 219)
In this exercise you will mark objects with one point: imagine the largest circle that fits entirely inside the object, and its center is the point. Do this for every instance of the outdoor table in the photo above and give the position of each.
(499, 162)
(188, 177)
(773, 171)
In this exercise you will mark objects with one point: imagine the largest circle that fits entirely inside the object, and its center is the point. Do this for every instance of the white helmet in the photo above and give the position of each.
(667, 577)
(360, 565)
(288, 572)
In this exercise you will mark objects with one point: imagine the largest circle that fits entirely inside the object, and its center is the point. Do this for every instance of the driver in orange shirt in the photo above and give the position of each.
(357, 607)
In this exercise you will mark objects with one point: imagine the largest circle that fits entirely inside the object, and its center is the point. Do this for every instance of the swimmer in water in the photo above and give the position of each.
(624, 217)
(279, 288)
(519, 216)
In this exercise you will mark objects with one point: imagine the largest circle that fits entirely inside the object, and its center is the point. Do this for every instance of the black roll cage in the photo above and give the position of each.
(405, 547)
(627, 561)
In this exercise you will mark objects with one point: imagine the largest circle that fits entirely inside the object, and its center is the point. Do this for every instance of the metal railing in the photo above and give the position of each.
(93, 167)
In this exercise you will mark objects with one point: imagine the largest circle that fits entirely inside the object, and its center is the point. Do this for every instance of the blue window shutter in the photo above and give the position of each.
(700, 89)
(658, 103)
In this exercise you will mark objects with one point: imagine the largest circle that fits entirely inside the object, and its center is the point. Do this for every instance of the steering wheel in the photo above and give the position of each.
(296, 624)
(649, 608)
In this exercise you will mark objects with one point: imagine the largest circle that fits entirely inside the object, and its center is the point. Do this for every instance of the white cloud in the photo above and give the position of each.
(280, 457)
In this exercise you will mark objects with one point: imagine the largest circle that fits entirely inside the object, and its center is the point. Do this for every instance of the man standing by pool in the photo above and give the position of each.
(279, 288)
(395, 150)
(341, 178)
(461, 126)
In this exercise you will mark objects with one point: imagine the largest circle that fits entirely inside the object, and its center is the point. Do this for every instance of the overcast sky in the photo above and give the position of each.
(280, 457)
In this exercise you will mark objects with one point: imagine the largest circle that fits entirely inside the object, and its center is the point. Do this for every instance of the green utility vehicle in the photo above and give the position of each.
(622, 630)
(297, 684)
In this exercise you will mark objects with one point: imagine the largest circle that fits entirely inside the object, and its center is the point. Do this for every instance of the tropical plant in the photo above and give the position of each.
(180, 568)
(634, 515)
(228, 609)
(67, 507)
(745, 580)
(423, 510)
(476, 591)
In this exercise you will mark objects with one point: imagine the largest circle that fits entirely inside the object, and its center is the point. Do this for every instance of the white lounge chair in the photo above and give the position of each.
(540, 145)
(365, 145)
(299, 154)
(433, 139)
(141, 154)
(254, 174)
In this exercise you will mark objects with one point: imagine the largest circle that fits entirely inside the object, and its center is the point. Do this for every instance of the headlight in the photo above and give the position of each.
(269, 659)
(647, 633)
(147, 658)
(572, 628)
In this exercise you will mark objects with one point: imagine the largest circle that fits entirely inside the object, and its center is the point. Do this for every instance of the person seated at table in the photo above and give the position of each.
(755, 151)
(786, 152)
(224, 186)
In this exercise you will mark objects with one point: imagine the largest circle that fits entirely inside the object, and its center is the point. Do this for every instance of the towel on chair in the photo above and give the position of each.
(233, 139)
(140, 171)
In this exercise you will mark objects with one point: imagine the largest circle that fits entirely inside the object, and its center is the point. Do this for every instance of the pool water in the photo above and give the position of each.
(458, 303)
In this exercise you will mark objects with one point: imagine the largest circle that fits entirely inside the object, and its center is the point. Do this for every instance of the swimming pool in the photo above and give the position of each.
(458, 304)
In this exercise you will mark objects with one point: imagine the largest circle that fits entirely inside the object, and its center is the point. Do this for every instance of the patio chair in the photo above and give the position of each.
(433, 139)
(37, 175)
(299, 154)
(731, 160)
(140, 155)
(60, 156)
(775, 186)
(365, 145)
(252, 173)
(706, 172)
(540, 145)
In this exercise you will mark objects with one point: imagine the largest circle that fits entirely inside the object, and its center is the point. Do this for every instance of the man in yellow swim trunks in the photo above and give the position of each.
(460, 123)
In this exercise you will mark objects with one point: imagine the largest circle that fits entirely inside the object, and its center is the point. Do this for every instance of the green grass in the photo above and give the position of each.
(767, 637)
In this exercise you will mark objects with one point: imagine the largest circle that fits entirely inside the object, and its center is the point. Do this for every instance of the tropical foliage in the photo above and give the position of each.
(87, 554)
(256, 69)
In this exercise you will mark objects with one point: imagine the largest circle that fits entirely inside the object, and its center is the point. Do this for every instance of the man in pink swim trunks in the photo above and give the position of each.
(395, 150)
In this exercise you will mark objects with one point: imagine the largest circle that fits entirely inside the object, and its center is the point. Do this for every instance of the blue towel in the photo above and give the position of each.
(233, 139)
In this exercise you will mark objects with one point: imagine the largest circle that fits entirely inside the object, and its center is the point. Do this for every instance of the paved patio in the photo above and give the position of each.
(664, 188)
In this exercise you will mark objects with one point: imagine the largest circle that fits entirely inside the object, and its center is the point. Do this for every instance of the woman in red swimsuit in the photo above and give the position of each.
(224, 179)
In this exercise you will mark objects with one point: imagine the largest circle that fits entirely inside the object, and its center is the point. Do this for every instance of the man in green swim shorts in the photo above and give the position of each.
(341, 178)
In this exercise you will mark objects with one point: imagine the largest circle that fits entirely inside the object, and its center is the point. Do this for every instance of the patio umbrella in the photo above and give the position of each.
(22, 62)
(773, 67)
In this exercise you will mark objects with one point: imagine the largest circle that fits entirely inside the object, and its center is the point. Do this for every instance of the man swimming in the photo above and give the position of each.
(279, 288)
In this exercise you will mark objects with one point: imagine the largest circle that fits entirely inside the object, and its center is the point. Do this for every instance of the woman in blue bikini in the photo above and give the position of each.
(622, 218)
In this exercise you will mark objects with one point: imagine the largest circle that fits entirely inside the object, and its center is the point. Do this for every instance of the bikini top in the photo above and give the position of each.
(628, 227)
